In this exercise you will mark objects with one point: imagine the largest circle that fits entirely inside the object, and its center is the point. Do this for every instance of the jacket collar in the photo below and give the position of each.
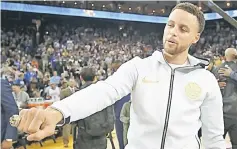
(193, 61)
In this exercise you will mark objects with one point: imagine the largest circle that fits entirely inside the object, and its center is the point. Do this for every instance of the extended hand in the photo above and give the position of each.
(38, 123)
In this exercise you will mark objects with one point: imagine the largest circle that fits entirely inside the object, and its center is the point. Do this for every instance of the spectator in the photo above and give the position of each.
(65, 93)
(55, 77)
(53, 91)
(229, 94)
(125, 118)
(21, 97)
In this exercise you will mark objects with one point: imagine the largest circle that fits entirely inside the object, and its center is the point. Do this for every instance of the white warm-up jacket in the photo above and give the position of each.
(168, 105)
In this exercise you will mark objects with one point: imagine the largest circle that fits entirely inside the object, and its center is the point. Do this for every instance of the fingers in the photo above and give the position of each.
(221, 70)
(31, 114)
(29, 120)
(41, 134)
(37, 121)
(23, 116)
(222, 84)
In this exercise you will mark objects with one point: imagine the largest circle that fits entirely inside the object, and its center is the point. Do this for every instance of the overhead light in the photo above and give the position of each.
(63, 2)
(200, 8)
(92, 4)
(153, 11)
(119, 7)
(75, 3)
(228, 4)
(44, 0)
(129, 8)
(103, 6)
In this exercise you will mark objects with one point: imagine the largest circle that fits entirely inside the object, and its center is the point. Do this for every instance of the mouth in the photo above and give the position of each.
(171, 41)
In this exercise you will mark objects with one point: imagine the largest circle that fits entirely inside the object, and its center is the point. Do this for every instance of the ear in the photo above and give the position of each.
(196, 38)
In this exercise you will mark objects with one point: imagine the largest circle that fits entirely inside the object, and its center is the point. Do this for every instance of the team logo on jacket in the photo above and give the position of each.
(193, 90)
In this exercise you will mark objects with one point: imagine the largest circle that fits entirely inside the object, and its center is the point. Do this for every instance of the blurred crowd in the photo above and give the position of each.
(63, 50)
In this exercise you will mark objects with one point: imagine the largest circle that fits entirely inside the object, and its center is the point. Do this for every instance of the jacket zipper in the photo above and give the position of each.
(168, 110)
(169, 106)
(199, 142)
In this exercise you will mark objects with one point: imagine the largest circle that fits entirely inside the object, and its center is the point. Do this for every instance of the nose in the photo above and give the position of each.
(173, 31)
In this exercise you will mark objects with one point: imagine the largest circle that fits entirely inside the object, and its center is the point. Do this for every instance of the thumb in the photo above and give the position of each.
(41, 134)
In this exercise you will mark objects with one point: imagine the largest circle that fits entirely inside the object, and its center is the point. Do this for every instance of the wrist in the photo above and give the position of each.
(56, 114)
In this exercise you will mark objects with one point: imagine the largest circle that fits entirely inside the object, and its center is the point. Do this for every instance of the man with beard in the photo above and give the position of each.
(172, 94)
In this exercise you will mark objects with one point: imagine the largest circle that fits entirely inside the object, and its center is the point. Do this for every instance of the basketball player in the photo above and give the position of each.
(172, 95)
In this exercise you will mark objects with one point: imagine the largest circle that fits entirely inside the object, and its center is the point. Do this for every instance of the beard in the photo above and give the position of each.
(173, 50)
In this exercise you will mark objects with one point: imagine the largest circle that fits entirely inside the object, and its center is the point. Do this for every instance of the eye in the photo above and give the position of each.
(184, 29)
(170, 24)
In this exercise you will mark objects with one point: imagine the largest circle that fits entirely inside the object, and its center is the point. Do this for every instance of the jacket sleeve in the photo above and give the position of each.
(98, 96)
(212, 117)
(9, 108)
(233, 75)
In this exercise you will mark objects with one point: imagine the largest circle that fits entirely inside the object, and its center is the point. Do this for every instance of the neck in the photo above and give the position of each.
(177, 59)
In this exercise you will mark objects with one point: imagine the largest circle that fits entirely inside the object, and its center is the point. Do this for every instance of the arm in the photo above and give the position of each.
(233, 75)
(212, 117)
(9, 107)
(124, 113)
(100, 95)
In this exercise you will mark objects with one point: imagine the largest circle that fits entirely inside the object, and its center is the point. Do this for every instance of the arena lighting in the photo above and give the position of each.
(75, 3)
(8, 6)
(63, 2)
(200, 8)
(163, 10)
(119, 7)
(103, 6)
(92, 4)
(153, 11)
(228, 4)
(129, 8)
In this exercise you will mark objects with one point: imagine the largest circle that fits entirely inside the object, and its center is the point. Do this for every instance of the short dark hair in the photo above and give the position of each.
(194, 10)
(88, 74)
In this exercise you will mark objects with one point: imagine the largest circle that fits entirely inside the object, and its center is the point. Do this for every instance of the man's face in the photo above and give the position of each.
(53, 86)
(15, 88)
(230, 54)
(180, 32)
